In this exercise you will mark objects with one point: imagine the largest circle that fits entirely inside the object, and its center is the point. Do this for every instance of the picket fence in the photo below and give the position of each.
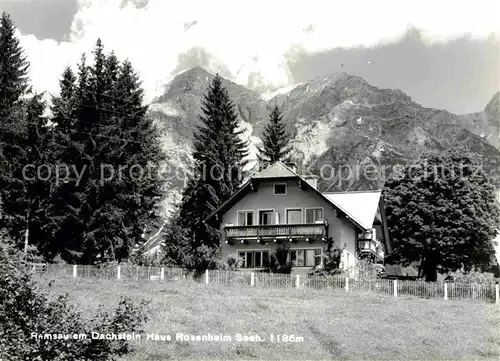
(488, 292)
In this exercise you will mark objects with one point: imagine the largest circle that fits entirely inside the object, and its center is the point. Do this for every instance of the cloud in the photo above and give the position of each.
(198, 56)
(250, 39)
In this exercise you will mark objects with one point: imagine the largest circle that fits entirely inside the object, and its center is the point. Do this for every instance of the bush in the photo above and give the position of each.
(473, 277)
(203, 258)
(367, 269)
(232, 263)
(26, 310)
(331, 261)
(278, 261)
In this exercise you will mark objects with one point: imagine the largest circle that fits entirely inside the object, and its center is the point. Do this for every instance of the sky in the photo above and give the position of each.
(444, 54)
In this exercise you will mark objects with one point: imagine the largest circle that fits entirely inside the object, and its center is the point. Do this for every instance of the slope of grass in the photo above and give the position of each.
(328, 325)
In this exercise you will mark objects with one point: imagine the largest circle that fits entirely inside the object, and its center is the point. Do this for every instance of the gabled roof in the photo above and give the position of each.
(360, 206)
(357, 206)
(276, 170)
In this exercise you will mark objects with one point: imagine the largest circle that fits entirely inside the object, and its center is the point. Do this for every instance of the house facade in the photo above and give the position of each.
(277, 206)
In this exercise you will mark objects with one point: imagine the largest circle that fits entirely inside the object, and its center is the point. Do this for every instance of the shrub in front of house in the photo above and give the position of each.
(332, 258)
(278, 261)
(28, 313)
(204, 258)
(232, 263)
(473, 276)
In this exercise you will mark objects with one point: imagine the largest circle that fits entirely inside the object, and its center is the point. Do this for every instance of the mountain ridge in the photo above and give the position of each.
(334, 120)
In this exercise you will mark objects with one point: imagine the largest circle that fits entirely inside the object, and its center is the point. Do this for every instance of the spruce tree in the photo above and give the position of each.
(106, 134)
(275, 141)
(219, 155)
(23, 142)
(40, 221)
(142, 185)
(67, 242)
(13, 68)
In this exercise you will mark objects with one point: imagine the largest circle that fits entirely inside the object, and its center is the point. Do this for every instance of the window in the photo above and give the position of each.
(313, 215)
(305, 257)
(266, 217)
(294, 216)
(280, 188)
(245, 218)
(254, 259)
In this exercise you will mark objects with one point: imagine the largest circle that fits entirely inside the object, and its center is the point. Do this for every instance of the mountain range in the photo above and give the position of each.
(335, 121)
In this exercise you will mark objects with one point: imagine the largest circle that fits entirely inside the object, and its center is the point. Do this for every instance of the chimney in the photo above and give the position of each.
(292, 166)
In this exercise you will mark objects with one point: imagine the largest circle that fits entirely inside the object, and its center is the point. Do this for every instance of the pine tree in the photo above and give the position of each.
(219, 155)
(40, 221)
(13, 68)
(23, 136)
(67, 242)
(105, 133)
(275, 141)
(141, 154)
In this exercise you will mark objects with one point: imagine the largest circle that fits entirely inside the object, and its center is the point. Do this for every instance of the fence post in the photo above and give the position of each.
(395, 284)
(347, 284)
(497, 294)
(162, 273)
(118, 272)
(252, 279)
(206, 276)
(297, 281)
(75, 272)
(446, 290)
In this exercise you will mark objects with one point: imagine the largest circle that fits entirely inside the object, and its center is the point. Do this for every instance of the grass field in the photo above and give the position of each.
(326, 325)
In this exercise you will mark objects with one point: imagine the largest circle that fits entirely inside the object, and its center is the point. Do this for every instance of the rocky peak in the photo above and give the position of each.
(334, 121)
(493, 107)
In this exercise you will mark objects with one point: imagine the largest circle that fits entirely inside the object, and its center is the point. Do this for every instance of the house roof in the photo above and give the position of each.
(360, 206)
(275, 170)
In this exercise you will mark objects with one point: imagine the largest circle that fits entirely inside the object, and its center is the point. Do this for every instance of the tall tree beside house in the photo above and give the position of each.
(142, 187)
(13, 85)
(24, 137)
(13, 69)
(219, 155)
(443, 212)
(105, 134)
(276, 141)
(67, 200)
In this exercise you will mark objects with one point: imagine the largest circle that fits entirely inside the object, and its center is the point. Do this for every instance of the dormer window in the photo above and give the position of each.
(279, 188)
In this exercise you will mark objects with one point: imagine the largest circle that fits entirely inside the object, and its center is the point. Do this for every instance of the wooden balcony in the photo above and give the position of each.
(372, 247)
(314, 230)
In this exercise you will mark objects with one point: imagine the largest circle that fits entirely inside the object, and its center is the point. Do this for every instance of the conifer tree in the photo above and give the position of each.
(275, 141)
(219, 155)
(109, 138)
(67, 242)
(13, 68)
(142, 156)
(23, 142)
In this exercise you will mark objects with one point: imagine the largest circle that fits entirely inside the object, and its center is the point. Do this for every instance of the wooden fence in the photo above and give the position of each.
(488, 292)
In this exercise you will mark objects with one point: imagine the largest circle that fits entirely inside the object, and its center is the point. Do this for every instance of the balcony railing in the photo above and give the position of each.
(275, 230)
(371, 246)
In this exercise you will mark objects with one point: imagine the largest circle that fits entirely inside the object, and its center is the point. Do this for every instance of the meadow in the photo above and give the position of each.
(325, 324)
